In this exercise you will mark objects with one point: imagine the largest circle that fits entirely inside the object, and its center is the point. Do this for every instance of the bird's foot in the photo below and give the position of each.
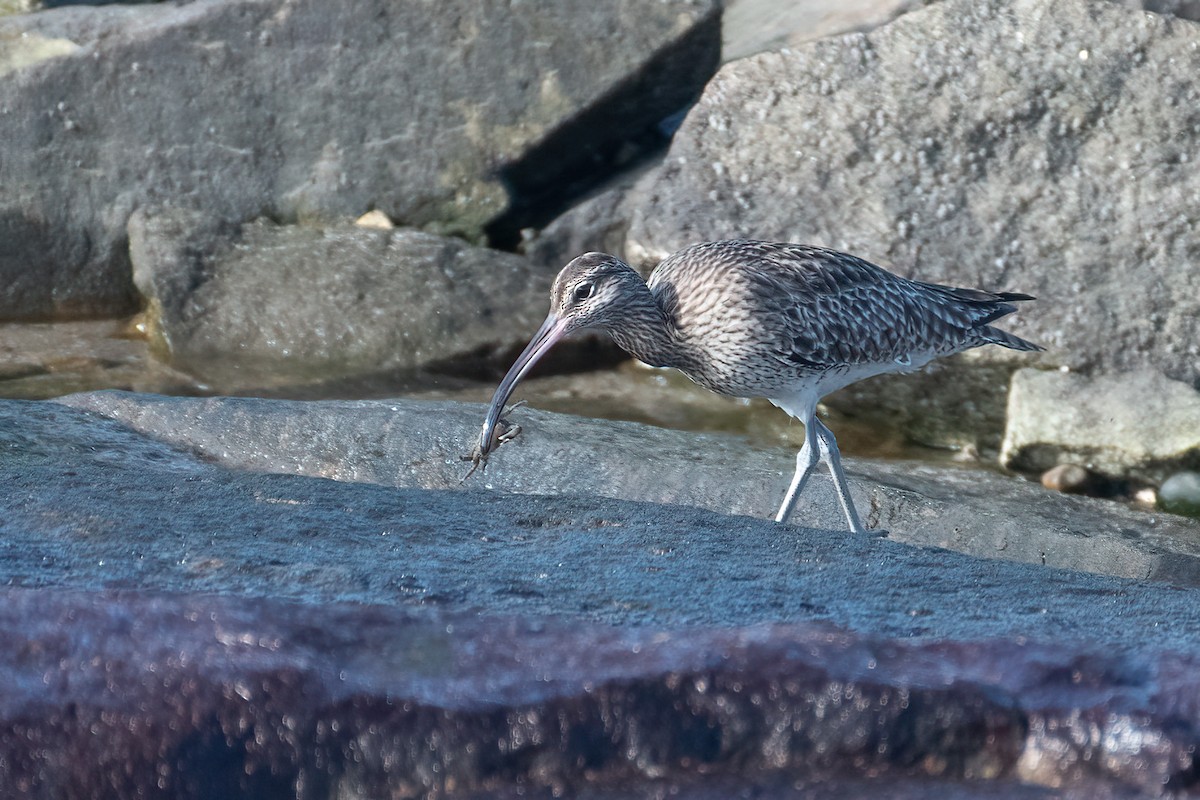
(504, 431)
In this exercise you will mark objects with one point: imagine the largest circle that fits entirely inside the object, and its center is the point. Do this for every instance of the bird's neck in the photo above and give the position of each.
(646, 331)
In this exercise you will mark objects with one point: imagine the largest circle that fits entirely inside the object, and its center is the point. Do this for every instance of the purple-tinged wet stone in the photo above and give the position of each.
(134, 695)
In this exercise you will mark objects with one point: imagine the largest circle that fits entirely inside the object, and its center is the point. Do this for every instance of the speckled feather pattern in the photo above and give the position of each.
(752, 318)
(787, 322)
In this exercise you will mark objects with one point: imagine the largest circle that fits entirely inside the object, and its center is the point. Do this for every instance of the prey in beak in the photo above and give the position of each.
(497, 430)
(594, 291)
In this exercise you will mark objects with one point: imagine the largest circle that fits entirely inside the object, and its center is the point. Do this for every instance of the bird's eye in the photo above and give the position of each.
(583, 291)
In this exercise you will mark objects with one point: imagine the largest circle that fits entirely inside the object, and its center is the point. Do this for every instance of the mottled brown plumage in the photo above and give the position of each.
(787, 322)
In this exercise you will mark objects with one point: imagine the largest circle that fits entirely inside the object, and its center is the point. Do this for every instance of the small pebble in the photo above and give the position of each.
(1069, 478)
(1180, 494)
(375, 219)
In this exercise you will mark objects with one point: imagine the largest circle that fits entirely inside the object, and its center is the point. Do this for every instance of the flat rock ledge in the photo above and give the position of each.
(124, 694)
(183, 619)
(420, 444)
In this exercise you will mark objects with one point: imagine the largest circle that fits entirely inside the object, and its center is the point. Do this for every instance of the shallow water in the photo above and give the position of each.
(40, 361)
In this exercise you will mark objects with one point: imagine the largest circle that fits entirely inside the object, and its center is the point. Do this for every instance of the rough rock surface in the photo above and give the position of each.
(927, 666)
(414, 444)
(998, 144)
(382, 107)
(1180, 494)
(271, 303)
(598, 224)
(1138, 425)
(130, 695)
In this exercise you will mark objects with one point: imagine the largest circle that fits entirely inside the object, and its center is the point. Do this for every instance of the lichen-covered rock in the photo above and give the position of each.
(1138, 424)
(310, 110)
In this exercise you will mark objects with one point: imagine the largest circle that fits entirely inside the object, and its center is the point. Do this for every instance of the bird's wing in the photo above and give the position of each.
(827, 309)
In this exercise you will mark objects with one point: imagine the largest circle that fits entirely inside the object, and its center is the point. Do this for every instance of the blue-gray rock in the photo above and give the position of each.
(180, 614)
(420, 444)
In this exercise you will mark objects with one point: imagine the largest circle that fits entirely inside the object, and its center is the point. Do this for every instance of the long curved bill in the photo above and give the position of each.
(551, 331)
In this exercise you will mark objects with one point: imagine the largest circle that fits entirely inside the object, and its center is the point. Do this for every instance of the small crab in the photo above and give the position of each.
(503, 431)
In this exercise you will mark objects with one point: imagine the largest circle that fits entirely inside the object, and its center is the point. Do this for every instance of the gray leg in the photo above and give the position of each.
(806, 459)
(829, 452)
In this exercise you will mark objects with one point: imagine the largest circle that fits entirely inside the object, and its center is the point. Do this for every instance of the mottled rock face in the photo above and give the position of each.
(431, 113)
(1003, 145)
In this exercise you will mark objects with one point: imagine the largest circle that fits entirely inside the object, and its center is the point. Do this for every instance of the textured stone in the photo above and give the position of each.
(415, 444)
(598, 224)
(443, 116)
(1069, 478)
(1134, 425)
(999, 144)
(132, 695)
(269, 304)
(150, 635)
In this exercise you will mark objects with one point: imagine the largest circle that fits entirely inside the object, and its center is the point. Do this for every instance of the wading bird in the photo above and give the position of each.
(787, 322)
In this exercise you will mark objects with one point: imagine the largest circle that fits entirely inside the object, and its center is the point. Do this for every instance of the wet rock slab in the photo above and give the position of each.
(180, 614)
(420, 444)
(126, 694)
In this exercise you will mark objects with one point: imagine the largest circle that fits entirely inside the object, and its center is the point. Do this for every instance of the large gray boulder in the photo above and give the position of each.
(1138, 425)
(1043, 147)
(431, 113)
(421, 444)
(263, 305)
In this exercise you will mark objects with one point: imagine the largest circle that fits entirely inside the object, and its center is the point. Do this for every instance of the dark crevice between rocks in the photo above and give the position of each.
(632, 124)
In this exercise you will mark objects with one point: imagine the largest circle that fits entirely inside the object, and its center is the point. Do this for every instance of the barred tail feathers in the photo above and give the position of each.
(990, 335)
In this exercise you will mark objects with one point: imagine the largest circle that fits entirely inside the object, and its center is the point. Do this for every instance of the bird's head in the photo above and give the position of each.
(593, 291)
